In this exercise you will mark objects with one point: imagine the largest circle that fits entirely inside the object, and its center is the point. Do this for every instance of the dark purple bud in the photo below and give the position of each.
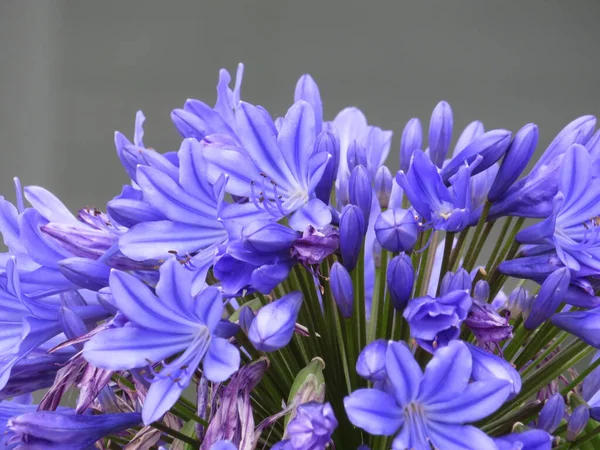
(273, 326)
(577, 421)
(440, 133)
(396, 230)
(517, 157)
(307, 90)
(314, 246)
(352, 231)
(86, 273)
(487, 325)
(491, 146)
(551, 295)
(67, 430)
(360, 190)
(246, 318)
(383, 185)
(400, 279)
(371, 361)
(411, 140)
(356, 155)
(487, 366)
(327, 142)
(481, 291)
(342, 290)
(552, 413)
(92, 381)
(265, 236)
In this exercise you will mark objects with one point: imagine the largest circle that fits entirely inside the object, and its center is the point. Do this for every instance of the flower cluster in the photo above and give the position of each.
(272, 284)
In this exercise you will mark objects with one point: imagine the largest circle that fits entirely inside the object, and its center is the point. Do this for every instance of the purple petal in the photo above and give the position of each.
(374, 411)
(307, 90)
(479, 400)
(130, 347)
(221, 360)
(315, 213)
(453, 437)
(403, 372)
(447, 374)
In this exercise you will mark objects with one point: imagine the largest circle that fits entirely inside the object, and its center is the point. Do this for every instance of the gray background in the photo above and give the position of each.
(72, 72)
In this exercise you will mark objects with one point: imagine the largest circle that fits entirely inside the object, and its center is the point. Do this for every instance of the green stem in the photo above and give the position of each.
(445, 259)
(456, 253)
(175, 434)
(473, 248)
(498, 244)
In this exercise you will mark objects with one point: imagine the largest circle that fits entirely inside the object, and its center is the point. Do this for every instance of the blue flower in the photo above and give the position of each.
(277, 171)
(162, 325)
(571, 229)
(532, 195)
(434, 322)
(440, 207)
(430, 408)
(527, 440)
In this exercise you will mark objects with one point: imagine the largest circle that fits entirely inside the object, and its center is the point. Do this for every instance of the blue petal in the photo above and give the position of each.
(374, 411)
(307, 90)
(171, 199)
(551, 295)
(174, 286)
(130, 347)
(259, 139)
(315, 213)
(208, 307)
(192, 171)
(447, 374)
(48, 205)
(453, 437)
(135, 300)
(296, 140)
(154, 240)
(479, 400)
(221, 360)
(403, 372)
(583, 324)
(242, 172)
(469, 134)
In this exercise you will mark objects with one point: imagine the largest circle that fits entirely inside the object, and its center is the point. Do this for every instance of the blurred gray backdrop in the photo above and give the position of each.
(72, 72)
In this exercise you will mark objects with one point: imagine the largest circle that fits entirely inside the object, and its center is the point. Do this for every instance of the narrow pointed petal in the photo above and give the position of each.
(307, 90)
(440, 133)
(583, 324)
(551, 295)
(129, 347)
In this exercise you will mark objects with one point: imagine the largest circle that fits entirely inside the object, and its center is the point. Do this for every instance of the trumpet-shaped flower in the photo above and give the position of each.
(430, 408)
(162, 325)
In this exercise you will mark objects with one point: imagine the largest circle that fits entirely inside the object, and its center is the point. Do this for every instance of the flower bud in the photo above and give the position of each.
(400, 279)
(490, 146)
(383, 185)
(460, 281)
(307, 90)
(327, 142)
(412, 139)
(551, 295)
(352, 231)
(481, 291)
(273, 326)
(360, 190)
(308, 386)
(356, 155)
(577, 421)
(469, 134)
(371, 361)
(552, 413)
(396, 230)
(312, 427)
(246, 316)
(583, 324)
(516, 159)
(519, 302)
(342, 290)
(265, 236)
(440, 133)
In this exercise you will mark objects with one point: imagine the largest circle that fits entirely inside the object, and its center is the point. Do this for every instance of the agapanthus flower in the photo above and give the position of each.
(161, 325)
(434, 322)
(430, 407)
